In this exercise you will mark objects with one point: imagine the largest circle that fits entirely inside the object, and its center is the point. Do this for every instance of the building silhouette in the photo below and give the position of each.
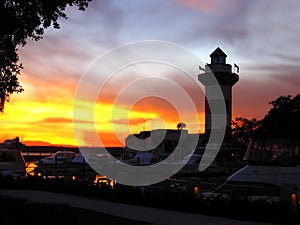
(226, 79)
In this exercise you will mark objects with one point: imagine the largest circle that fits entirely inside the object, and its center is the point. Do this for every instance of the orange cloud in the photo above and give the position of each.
(43, 115)
(42, 122)
(57, 120)
(208, 6)
(44, 112)
(113, 123)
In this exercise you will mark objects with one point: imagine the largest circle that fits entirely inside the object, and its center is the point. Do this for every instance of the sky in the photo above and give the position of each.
(261, 36)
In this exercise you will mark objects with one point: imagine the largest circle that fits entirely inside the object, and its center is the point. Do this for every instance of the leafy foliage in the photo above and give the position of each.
(20, 20)
(242, 129)
(181, 126)
(282, 119)
(284, 115)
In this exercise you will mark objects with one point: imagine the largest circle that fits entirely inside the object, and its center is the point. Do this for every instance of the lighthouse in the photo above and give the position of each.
(226, 79)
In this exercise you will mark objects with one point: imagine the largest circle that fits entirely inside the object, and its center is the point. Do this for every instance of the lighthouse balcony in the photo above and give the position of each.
(219, 68)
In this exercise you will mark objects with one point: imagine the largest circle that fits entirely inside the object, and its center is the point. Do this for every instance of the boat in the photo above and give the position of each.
(141, 159)
(60, 157)
(12, 163)
(272, 172)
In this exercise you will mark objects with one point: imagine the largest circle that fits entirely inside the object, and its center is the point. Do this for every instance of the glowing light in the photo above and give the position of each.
(30, 169)
(294, 199)
(197, 191)
(103, 180)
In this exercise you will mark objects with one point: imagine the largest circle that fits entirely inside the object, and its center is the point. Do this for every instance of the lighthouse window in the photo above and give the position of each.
(215, 60)
(222, 59)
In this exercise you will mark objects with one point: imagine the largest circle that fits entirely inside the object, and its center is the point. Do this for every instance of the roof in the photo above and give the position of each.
(218, 52)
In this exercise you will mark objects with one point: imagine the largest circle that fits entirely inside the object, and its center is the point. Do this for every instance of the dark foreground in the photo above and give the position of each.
(22, 212)
(19, 211)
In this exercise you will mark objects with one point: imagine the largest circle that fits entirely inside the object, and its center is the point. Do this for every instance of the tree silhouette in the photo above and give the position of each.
(181, 125)
(242, 129)
(284, 115)
(20, 20)
(282, 119)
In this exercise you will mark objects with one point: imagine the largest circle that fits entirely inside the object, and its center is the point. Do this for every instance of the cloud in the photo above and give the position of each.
(136, 121)
(57, 120)
(63, 55)
(261, 36)
(4, 137)
(101, 139)
(270, 30)
(251, 97)
(206, 6)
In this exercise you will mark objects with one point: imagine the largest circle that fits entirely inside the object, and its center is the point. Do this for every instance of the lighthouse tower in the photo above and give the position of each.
(226, 79)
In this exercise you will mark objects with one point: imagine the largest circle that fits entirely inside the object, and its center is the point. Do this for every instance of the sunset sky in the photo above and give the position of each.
(261, 36)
